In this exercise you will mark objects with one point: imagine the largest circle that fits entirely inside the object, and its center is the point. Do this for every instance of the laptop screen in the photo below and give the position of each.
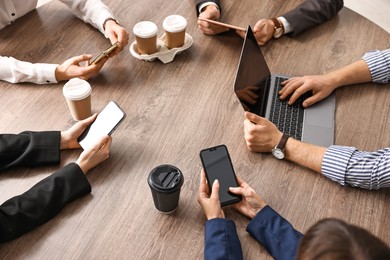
(253, 77)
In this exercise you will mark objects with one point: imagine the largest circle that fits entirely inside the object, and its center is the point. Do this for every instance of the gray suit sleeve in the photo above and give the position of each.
(311, 13)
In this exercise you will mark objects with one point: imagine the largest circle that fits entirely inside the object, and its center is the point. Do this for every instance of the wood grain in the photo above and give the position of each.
(173, 111)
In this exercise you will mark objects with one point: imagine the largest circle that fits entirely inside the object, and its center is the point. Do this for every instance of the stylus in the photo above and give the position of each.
(222, 24)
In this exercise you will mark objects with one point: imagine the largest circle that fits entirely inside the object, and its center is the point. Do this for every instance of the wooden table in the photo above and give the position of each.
(173, 111)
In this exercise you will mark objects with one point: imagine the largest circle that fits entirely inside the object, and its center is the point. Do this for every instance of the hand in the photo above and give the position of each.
(261, 135)
(71, 68)
(251, 203)
(69, 137)
(210, 202)
(263, 31)
(320, 85)
(211, 12)
(95, 155)
(116, 33)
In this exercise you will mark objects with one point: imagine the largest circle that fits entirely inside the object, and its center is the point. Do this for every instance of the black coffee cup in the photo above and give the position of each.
(165, 181)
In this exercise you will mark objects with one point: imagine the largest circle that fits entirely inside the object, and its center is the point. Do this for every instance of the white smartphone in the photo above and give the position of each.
(105, 124)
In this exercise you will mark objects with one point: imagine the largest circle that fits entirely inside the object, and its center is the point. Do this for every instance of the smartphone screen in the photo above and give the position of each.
(218, 165)
(105, 124)
(105, 53)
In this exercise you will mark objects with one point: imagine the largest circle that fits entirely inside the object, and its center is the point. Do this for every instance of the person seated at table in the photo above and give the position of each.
(305, 16)
(327, 239)
(44, 200)
(346, 165)
(94, 12)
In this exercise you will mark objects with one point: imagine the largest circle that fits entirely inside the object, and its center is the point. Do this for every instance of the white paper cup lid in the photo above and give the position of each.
(174, 23)
(76, 89)
(145, 29)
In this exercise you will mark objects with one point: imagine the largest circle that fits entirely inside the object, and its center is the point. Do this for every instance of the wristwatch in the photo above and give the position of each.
(279, 30)
(109, 19)
(278, 151)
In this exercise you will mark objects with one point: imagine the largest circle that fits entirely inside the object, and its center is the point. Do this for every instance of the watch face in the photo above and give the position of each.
(278, 32)
(278, 153)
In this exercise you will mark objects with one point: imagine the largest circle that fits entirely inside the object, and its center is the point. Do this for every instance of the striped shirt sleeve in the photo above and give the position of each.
(379, 64)
(349, 166)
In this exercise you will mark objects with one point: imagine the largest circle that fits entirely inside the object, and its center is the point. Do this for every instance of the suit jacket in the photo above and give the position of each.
(310, 13)
(44, 200)
(270, 229)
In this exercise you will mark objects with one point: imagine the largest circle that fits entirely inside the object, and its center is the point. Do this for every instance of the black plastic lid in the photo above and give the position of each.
(165, 177)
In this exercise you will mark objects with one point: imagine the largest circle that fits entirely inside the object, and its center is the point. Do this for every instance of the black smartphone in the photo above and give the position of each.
(105, 53)
(105, 124)
(218, 165)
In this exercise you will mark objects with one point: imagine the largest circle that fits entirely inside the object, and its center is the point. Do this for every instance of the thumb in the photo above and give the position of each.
(215, 190)
(253, 117)
(236, 190)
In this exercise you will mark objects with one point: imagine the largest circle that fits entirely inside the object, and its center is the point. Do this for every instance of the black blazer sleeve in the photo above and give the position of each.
(199, 2)
(29, 149)
(311, 13)
(42, 202)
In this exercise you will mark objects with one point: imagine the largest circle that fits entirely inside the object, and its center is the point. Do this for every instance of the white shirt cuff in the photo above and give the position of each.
(286, 25)
(207, 4)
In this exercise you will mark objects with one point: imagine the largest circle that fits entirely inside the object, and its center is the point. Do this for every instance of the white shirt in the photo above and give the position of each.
(12, 70)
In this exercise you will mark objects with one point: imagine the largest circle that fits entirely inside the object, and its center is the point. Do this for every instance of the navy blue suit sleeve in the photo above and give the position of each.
(199, 2)
(221, 240)
(311, 13)
(29, 149)
(42, 202)
(275, 233)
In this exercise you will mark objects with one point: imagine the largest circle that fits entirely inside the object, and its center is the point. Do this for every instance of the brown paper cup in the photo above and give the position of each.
(78, 96)
(146, 36)
(175, 30)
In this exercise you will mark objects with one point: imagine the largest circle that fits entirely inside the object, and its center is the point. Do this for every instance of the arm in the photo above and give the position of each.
(277, 236)
(221, 240)
(263, 136)
(349, 166)
(374, 66)
(29, 149)
(42, 202)
(100, 16)
(311, 13)
(275, 233)
(39, 148)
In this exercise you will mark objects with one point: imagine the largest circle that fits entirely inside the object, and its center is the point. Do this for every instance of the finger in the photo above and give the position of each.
(80, 58)
(311, 100)
(236, 190)
(86, 122)
(241, 33)
(215, 190)
(254, 118)
(203, 188)
(297, 93)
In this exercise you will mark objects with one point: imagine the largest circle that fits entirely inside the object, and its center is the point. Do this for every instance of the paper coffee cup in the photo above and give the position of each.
(175, 30)
(146, 36)
(78, 96)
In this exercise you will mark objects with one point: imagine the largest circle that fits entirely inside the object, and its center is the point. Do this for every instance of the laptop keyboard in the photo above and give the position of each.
(288, 118)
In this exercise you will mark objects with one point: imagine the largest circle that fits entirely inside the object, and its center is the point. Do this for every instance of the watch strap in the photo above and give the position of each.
(282, 142)
(276, 22)
(110, 19)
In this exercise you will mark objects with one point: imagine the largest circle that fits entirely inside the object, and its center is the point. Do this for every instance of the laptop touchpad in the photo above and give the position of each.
(321, 114)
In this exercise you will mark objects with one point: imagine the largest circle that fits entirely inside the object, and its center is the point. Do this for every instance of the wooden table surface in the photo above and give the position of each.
(173, 111)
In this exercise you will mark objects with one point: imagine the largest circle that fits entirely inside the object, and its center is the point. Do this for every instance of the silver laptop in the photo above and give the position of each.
(257, 89)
